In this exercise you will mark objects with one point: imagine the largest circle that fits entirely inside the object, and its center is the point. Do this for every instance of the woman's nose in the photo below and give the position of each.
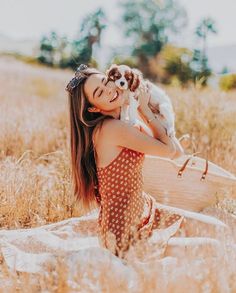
(110, 90)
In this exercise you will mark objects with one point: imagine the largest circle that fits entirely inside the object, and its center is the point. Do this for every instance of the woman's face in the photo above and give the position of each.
(101, 93)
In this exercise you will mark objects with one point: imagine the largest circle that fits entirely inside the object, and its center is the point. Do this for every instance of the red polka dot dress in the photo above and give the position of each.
(127, 213)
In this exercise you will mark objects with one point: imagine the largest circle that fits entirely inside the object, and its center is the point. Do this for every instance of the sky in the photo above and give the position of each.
(30, 19)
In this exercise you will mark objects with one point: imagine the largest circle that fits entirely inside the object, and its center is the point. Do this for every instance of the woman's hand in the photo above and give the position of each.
(143, 128)
(144, 96)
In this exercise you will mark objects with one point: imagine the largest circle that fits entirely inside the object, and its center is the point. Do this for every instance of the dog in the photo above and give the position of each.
(159, 103)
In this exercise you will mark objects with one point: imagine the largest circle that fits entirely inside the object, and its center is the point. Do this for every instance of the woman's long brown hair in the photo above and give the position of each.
(82, 124)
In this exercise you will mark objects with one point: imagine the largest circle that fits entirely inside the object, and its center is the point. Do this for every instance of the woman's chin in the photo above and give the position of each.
(119, 101)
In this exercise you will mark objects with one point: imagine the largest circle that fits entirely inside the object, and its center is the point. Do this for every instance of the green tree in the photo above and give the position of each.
(228, 82)
(177, 64)
(200, 65)
(224, 70)
(89, 35)
(52, 48)
(149, 23)
(58, 51)
(206, 27)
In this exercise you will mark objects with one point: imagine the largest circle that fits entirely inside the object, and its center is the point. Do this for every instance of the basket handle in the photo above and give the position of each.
(181, 170)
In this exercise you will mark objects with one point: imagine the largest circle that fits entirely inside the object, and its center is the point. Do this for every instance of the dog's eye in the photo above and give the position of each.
(111, 77)
(116, 75)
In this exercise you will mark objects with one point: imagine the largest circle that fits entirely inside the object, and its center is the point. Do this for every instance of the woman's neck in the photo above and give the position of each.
(114, 113)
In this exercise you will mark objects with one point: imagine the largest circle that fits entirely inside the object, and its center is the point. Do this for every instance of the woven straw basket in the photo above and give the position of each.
(189, 182)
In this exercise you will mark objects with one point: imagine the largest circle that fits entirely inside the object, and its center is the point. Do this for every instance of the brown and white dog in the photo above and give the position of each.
(159, 103)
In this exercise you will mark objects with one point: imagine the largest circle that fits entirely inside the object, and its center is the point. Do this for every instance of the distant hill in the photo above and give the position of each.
(222, 56)
(219, 57)
(25, 47)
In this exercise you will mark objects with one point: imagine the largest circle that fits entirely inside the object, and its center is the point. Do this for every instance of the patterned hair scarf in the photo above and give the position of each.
(74, 82)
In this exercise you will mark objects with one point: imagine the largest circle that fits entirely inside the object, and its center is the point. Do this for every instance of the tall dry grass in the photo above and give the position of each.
(209, 117)
(35, 185)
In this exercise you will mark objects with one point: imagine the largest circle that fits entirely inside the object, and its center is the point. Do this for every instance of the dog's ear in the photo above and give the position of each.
(134, 82)
(113, 66)
(138, 72)
(111, 72)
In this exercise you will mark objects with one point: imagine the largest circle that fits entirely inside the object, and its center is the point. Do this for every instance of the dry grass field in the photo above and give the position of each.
(35, 187)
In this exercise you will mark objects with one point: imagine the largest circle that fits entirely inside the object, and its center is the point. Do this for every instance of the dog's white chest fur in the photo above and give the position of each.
(160, 105)
(129, 110)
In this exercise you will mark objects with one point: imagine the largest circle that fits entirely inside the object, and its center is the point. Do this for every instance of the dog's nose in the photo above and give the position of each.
(122, 83)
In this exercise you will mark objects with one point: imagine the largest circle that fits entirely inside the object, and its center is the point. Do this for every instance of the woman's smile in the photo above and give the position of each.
(104, 96)
(116, 96)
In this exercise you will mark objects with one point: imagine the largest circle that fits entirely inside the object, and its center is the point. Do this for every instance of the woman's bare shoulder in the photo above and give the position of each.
(121, 134)
(106, 130)
(111, 125)
(103, 129)
(115, 124)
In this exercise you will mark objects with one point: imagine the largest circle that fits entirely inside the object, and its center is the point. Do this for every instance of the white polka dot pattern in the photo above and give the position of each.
(127, 212)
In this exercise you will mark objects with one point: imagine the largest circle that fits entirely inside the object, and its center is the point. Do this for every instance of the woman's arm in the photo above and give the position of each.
(143, 128)
(119, 133)
(127, 136)
(158, 129)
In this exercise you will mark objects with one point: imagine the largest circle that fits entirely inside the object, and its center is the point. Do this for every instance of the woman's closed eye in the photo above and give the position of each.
(102, 90)
(100, 93)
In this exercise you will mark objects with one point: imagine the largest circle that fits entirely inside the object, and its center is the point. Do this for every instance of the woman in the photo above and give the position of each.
(107, 156)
